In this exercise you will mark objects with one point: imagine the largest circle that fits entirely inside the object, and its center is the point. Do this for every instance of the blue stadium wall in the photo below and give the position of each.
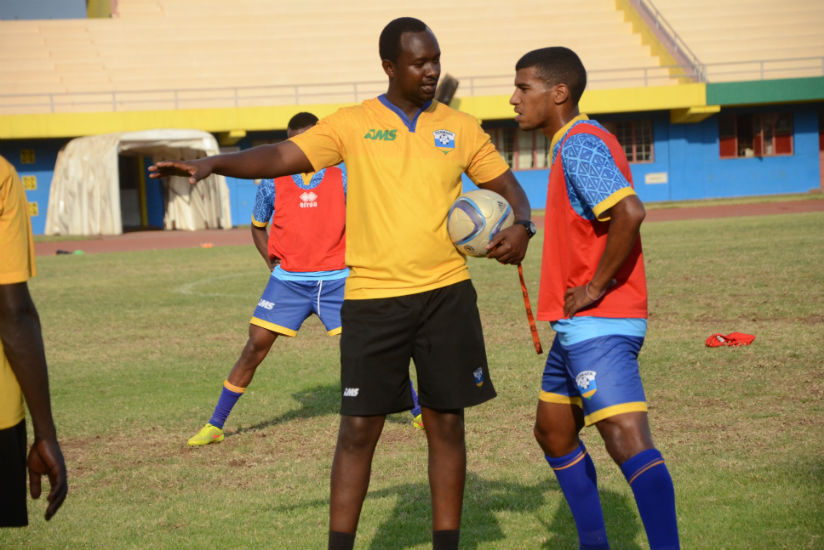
(687, 153)
(686, 160)
(37, 174)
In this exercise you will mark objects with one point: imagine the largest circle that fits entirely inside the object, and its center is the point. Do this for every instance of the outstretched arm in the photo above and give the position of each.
(624, 225)
(264, 161)
(509, 246)
(23, 346)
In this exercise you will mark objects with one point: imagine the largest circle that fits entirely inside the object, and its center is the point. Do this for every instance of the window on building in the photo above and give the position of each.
(530, 150)
(521, 150)
(504, 141)
(755, 135)
(635, 137)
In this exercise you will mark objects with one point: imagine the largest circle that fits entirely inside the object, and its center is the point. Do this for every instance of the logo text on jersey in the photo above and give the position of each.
(308, 199)
(351, 392)
(381, 135)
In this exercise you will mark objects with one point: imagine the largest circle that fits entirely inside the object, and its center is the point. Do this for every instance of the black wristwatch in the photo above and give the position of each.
(529, 226)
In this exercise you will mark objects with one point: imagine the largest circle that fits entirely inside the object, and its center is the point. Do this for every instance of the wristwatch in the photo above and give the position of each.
(529, 226)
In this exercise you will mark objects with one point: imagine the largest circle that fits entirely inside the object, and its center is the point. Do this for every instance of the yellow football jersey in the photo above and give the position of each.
(403, 175)
(17, 266)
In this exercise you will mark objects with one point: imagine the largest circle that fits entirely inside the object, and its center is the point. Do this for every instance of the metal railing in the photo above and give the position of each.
(355, 92)
(680, 50)
(765, 69)
(625, 77)
(189, 98)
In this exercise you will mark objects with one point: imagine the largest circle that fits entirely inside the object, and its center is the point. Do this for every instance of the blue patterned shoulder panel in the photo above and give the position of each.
(264, 201)
(590, 171)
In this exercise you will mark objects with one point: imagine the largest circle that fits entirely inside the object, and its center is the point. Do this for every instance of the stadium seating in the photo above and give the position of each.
(158, 54)
(751, 39)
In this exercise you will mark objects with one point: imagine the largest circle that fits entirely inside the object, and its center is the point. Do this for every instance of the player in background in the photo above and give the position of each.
(409, 294)
(305, 253)
(593, 292)
(23, 370)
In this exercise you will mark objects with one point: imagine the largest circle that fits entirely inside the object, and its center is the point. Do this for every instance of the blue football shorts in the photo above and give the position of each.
(600, 375)
(285, 305)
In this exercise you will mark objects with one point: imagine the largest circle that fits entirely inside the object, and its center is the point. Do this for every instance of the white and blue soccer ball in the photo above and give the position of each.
(475, 218)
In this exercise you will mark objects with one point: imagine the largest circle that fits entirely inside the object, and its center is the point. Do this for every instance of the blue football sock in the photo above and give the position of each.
(576, 475)
(227, 400)
(655, 496)
(416, 410)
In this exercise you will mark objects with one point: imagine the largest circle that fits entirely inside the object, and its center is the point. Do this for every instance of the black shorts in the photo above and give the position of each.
(13, 476)
(440, 330)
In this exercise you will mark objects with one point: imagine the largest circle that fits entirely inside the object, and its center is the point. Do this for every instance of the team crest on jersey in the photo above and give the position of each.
(586, 383)
(444, 139)
(308, 199)
(479, 376)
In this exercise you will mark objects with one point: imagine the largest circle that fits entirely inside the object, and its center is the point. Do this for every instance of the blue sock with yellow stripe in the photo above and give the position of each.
(577, 478)
(416, 409)
(654, 494)
(225, 403)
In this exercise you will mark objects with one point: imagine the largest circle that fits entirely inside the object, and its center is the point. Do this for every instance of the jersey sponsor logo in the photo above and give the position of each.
(308, 199)
(586, 383)
(351, 392)
(444, 140)
(381, 135)
(478, 374)
(266, 304)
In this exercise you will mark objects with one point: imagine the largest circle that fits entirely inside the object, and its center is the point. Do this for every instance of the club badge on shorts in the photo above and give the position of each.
(479, 376)
(586, 383)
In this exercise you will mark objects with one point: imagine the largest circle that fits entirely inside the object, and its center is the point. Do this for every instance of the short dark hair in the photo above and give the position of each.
(557, 65)
(389, 44)
(302, 120)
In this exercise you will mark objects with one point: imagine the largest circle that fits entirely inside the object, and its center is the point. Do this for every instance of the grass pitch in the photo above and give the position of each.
(139, 344)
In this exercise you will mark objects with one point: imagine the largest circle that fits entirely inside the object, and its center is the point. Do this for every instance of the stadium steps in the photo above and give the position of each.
(744, 32)
(205, 44)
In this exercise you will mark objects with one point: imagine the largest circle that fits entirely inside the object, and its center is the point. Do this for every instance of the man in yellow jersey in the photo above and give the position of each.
(23, 370)
(408, 294)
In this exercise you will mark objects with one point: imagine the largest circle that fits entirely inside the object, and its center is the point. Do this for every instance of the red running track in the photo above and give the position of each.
(158, 240)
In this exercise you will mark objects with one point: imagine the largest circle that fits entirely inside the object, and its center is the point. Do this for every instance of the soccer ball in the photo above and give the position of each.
(475, 218)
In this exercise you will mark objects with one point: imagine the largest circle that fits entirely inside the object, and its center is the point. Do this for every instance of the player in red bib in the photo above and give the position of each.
(305, 252)
(593, 292)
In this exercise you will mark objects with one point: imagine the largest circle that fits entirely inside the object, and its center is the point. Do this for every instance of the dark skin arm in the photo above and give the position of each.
(23, 346)
(625, 222)
(510, 244)
(272, 161)
(261, 239)
(264, 161)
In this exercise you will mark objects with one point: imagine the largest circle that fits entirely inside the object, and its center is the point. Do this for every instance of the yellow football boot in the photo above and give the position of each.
(207, 434)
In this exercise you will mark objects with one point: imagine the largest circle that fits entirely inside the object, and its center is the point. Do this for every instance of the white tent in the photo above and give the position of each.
(84, 198)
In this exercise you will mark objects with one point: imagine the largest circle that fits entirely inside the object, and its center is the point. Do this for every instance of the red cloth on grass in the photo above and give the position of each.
(731, 339)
